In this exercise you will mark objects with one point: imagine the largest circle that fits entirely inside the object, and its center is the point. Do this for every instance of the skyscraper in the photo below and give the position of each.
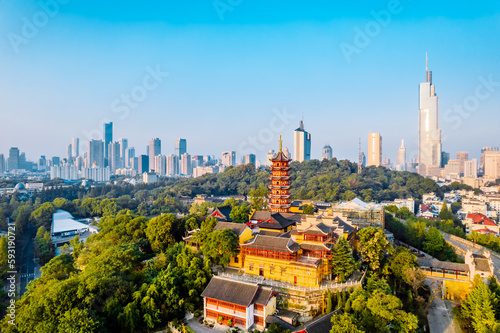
(108, 138)
(143, 164)
(2, 163)
(161, 165)
(302, 144)
(429, 134)
(180, 147)
(249, 158)
(470, 168)
(172, 165)
(13, 161)
(374, 149)
(483, 152)
(186, 164)
(129, 155)
(114, 160)
(269, 157)
(327, 152)
(462, 157)
(154, 149)
(123, 149)
(75, 145)
(69, 155)
(287, 153)
(96, 153)
(401, 157)
(229, 158)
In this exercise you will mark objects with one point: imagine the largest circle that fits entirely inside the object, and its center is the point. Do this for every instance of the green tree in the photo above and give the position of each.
(344, 323)
(3, 220)
(433, 243)
(343, 263)
(400, 262)
(4, 257)
(258, 197)
(373, 244)
(276, 328)
(308, 209)
(43, 215)
(160, 232)
(220, 246)
(478, 310)
(240, 214)
(445, 214)
(206, 227)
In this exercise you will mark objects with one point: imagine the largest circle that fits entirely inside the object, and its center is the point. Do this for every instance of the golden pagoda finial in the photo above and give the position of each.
(281, 143)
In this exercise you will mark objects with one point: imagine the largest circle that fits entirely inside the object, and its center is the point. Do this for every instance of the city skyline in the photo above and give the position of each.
(83, 92)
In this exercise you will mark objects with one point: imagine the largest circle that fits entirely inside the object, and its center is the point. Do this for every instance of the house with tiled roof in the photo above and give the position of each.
(427, 211)
(237, 303)
(266, 220)
(481, 223)
(222, 213)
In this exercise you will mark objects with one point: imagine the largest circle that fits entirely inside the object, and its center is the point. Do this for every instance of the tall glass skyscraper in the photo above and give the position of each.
(302, 144)
(181, 147)
(429, 134)
(154, 149)
(108, 138)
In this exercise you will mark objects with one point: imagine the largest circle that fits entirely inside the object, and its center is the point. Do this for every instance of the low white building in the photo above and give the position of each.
(65, 228)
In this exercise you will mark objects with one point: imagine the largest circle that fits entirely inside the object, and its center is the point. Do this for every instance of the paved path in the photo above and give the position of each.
(440, 317)
(198, 328)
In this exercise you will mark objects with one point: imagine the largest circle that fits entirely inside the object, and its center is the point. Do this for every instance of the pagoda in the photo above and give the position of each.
(280, 183)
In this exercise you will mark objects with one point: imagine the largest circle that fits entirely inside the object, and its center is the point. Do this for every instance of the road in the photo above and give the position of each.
(440, 317)
(28, 267)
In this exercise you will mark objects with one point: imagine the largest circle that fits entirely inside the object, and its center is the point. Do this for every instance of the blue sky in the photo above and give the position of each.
(234, 65)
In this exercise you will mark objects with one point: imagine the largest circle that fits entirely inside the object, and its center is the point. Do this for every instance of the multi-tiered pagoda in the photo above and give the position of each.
(280, 183)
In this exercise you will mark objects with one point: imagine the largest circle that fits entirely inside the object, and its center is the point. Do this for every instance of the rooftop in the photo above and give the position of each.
(231, 291)
(62, 221)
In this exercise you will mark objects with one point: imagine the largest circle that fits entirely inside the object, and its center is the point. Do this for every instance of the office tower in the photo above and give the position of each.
(69, 155)
(386, 163)
(302, 144)
(114, 160)
(229, 158)
(180, 147)
(363, 159)
(470, 168)
(462, 156)
(123, 149)
(452, 169)
(22, 162)
(401, 157)
(75, 144)
(134, 163)
(154, 149)
(445, 157)
(129, 154)
(327, 152)
(161, 165)
(95, 153)
(286, 152)
(56, 161)
(374, 149)
(429, 134)
(172, 165)
(2, 163)
(42, 163)
(196, 161)
(269, 157)
(186, 164)
(492, 164)
(483, 152)
(108, 138)
(79, 163)
(143, 165)
(13, 161)
(249, 158)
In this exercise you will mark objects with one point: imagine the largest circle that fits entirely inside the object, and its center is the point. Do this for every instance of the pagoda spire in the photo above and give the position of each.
(281, 144)
(279, 198)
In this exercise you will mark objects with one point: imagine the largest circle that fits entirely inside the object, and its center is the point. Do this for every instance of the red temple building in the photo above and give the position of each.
(279, 198)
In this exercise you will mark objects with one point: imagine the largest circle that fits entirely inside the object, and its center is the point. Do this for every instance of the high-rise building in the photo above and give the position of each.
(108, 138)
(13, 161)
(269, 157)
(186, 168)
(161, 165)
(429, 134)
(302, 144)
(470, 168)
(56, 161)
(229, 158)
(249, 158)
(483, 151)
(114, 160)
(69, 155)
(287, 153)
(327, 152)
(42, 163)
(143, 165)
(374, 149)
(123, 149)
(401, 157)
(172, 165)
(96, 153)
(196, 161)
(2, 163)
(492, 164)
(363, 159)
(462, 157)
(154, 149)
(180, 147)
(129, 155)
(445, 157)
(75, 145)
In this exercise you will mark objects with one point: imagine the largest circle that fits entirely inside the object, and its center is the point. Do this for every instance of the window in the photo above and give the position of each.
(283, 271)
(250, 266)
(271, 269)
(236, 260)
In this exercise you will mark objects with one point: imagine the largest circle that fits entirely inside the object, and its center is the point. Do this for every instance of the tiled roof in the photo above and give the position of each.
(278, 244)
(322, 324)
(315, 247)
(280, 157)
(263, 296)
(481, 263)
(481, 219)
(231, 291)
(485, 231)
(237, 228)
(443, 265)
(225, 211)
